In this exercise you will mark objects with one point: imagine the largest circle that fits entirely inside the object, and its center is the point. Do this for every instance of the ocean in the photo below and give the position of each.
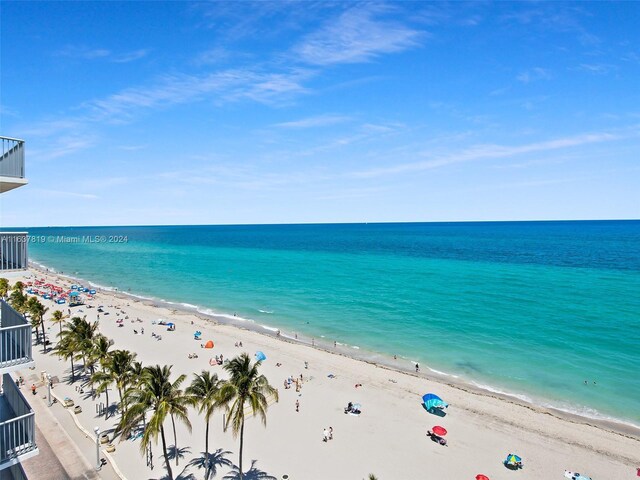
(529, 309)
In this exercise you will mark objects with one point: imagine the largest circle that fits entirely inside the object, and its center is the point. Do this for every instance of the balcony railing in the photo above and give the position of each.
(17, 424)
(15, 339)
(13, 251)
(11, 157)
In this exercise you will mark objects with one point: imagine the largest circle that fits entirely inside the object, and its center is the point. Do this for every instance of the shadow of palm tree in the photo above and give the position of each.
(252, 474)
(216, 460)
(180, 452)
(183, 475)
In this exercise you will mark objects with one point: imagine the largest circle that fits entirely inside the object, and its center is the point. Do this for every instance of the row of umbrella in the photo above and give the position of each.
(432, 401)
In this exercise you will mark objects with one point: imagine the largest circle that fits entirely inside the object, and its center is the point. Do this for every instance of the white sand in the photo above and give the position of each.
(388, 438)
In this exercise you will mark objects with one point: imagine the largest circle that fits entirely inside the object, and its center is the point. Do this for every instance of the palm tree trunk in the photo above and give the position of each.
(73, 373)
(166, 455)
(241, 446)
(106, 411)
(175, 438)
(122, 410)
(44, 338)
(206, 451)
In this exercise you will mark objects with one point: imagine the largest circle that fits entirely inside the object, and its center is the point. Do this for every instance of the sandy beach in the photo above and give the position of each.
(388, 438)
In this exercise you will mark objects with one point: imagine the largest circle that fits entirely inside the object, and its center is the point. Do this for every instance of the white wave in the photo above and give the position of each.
(355, 346)
(271, 329)
(443, 373)
(489, 388)
(266, 311)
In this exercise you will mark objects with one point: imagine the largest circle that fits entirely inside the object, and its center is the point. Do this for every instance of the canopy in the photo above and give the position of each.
(431, 400)
(74, 294)
(481, 477)
(260, 356)
(513, 459)
(438, 430)
(170, 324)
(209, 344)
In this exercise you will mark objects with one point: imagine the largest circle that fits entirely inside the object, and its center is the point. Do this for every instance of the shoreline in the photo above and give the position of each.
(612, 425)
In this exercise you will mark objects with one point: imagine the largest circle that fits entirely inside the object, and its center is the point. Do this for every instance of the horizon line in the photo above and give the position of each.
(335, 223)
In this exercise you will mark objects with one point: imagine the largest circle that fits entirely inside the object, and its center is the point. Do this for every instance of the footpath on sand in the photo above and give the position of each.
(65, 451)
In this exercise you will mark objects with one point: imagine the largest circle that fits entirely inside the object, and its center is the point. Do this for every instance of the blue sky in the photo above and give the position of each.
(207, 113)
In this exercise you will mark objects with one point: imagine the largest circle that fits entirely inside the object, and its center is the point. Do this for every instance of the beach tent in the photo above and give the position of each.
(74, 299)
(481, 477)
(260, 356)
(209, 344)
(431, 400)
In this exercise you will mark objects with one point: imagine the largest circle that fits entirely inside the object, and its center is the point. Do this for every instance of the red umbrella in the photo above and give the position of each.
(438, 430)
(481, 477)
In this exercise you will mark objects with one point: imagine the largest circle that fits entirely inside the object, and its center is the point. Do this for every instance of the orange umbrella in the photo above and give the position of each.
(438, 430)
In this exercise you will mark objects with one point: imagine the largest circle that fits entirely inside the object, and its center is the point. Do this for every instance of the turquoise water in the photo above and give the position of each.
(528, 308)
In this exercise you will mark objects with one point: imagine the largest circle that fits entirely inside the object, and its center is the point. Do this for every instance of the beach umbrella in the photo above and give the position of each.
(512, 459)
(431, 400)
(170, 324)
(260, 356)
(481, 477)
(438, 430)
(209, 344)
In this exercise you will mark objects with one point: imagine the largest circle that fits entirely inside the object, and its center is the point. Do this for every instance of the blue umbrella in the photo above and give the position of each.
(260, 356)
(431, 400)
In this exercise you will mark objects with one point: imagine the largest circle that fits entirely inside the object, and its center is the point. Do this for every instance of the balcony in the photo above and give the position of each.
(13, 251)
(17, 425)
(15, 340)
(11, 164)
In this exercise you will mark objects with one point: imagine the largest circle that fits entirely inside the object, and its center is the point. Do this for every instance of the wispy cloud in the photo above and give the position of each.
(356, 36)
(63, 146)
(483, 152)
(130, 56)
(533, 75)
(596, 68)
(87, 53)
(64, 194)
(317, 121)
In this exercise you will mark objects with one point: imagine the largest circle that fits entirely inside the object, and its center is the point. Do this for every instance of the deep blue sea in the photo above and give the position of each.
(528, 308)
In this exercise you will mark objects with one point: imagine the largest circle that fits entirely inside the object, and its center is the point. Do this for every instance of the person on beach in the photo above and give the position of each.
(330, 433)
(33, 388)
(297, 405)
(417, 368)
(325, 435)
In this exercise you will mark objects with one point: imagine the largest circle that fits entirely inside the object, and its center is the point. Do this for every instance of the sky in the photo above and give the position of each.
(146, 113)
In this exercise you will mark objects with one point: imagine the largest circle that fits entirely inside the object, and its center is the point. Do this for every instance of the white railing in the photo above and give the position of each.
(15, 337)
(17, 428)
(11, 157)
(13, 251)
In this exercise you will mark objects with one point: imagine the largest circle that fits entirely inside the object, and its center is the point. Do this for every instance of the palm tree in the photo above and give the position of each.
(37, 311)
(100, 355)
(204, 392)
(122, 368)
(4, 287)
(178, 403)
(245, 385)
(18, 300)
(372, 477)
(65, 349)
(76, 340)
(157, 393)
(59, 318)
